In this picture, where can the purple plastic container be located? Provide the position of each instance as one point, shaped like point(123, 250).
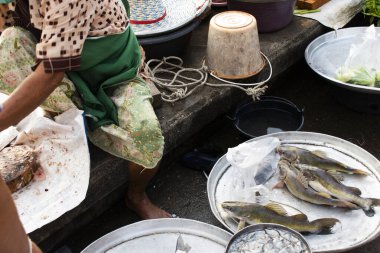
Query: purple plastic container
point(271, 15)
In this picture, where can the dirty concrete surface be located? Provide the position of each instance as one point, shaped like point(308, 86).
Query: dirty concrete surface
point(182, 191)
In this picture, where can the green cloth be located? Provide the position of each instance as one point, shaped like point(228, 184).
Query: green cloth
point(106, 63)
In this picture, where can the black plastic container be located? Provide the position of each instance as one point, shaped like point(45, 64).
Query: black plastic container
point(170, 44)
point(268, 115)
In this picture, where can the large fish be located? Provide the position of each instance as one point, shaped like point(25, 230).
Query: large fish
point(317, 159)
point(322, 181)
point(253, 213)
point(298, 187)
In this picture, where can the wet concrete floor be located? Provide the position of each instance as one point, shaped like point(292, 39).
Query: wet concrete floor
point(182, 191)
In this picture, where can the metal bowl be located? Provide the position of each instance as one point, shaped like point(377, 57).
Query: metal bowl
point(327, 53)
point(279, 232)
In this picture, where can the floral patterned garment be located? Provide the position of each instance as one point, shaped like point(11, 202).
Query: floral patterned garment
point(138, 138)
point(65, 26)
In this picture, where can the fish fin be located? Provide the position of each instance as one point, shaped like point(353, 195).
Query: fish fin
point(351, 171)
point(324, 194)
point(300, 217)
point(302, 179)
point(325, 224)
point(360, 172)
point(319, 153)
point(277, 208)
point(336, 175)
point(279, 185)
point(355, 190)
point(318, 187)
point(241, 225)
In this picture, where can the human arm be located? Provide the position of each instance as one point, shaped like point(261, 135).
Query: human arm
point(28, 96)
point(13, 238)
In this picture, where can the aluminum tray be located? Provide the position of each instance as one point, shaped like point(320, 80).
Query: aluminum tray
point(328, 52)
point(356, 228)
point(160, 236)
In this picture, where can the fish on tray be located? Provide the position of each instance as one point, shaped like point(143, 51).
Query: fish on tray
point(297, 185)
point(324, 182)
point(317, 159)
point(254, 213)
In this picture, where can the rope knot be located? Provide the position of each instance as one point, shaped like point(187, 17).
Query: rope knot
point(177, 94)
point(256, 92)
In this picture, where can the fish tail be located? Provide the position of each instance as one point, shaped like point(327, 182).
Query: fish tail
point(325, 224)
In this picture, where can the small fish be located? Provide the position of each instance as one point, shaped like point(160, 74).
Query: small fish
point(298, 187)
point(254, 213)
point(322, 181)
point(317, 159)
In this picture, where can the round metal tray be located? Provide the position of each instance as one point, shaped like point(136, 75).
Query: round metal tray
point(160, 236)
point(328, 52)
point(356, 228)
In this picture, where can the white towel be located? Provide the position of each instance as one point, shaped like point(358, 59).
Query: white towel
point(336, 13)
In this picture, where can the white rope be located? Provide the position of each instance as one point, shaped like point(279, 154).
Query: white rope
point(181, 86)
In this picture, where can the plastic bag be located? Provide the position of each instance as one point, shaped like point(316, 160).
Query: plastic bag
point(362, 65)
point(255, 161)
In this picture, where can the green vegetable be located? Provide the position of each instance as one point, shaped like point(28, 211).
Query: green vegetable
point(302, 12)
point(372, 8)
point(357, 76)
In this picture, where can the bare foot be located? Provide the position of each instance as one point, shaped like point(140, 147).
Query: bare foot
point(143, 207)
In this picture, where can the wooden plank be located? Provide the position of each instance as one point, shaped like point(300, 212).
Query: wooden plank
point(310, 4)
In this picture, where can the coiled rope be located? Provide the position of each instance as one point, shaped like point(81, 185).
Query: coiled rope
point(169, 74)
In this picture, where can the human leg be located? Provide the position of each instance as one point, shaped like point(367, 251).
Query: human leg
point(136, 198)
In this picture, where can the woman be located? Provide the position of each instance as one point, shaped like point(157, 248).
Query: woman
point(91, 42)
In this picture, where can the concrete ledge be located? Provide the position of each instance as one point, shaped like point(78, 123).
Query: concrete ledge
point(179, 122)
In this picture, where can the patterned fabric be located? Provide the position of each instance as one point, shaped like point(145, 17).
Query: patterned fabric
point(146, 10)
point(105, 67)
point(138, 137)
point(66, 24)
point(17, 55)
